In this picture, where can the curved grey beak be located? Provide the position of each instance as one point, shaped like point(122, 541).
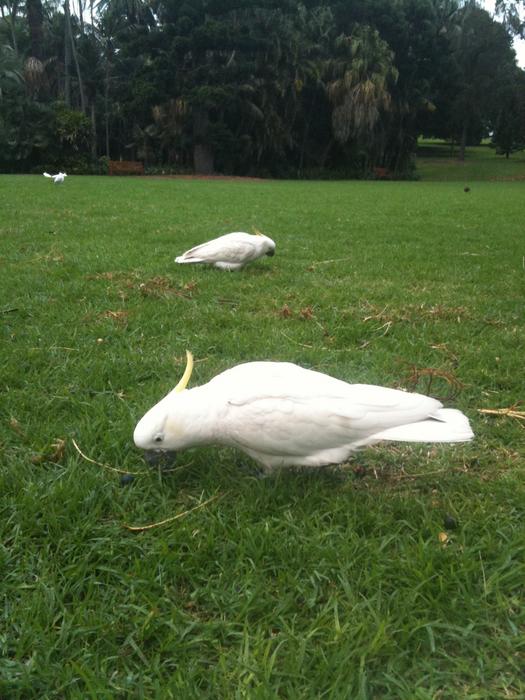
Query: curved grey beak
point(160, 458)
point(271, 253)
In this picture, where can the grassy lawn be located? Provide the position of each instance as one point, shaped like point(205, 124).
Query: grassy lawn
point(439, 162)
point(400, 575)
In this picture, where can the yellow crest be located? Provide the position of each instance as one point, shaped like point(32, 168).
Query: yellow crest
point(187, 373)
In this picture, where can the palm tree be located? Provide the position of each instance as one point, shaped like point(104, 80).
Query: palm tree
point(358, 83)
point(71, 51)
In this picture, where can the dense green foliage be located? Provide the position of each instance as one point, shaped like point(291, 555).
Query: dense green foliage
point(252, 86)
point(332, 584)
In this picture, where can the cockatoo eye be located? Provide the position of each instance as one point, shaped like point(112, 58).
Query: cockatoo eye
point(158, 438)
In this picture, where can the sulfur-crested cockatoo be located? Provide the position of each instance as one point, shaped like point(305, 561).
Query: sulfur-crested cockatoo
point(58, 179)
point(283, 415)
point(230, 252)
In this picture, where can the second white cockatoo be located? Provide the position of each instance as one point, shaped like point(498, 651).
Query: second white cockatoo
point(58, 179)
point(231, 251)
point(283, 415)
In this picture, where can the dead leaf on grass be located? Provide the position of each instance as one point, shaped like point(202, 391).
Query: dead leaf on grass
point(285, 312)
point(120, 316)
point(56, 455)
point(307, 313)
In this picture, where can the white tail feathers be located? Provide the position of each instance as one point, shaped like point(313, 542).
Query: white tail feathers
point(189, 259)
point(47, 175)
point(445, 425)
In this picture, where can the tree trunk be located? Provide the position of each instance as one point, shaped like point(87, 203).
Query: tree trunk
point(203, 159)
point(35, 21)
point(93, 132)
point(67, 61)
point(81, 16)
point(463, 141)
point(326, 153)
point(75, 57)
point(106, 106)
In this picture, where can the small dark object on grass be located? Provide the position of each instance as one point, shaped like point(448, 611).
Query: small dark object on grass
point(467, 189)
point(450, 523)
point(359, 471)
point(126, 479)
point(160, 459)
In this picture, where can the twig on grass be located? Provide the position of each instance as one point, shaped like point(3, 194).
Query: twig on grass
point(387, 326)
point(141, 528)
point(99, 464)
point(123, 471)
point(379, 315)
point(9, 310)
point(430, 373)
point(416, 476)
point(326, 262)
point(303, 345)
point(511, 412)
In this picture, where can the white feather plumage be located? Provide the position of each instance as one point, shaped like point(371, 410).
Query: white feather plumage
point(229, 252)
point(58, 179)
point(282, 415)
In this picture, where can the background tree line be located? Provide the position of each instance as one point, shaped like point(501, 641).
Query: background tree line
point(267, 87)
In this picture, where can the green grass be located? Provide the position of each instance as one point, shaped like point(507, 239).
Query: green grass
point(332, 584)
point(438, 161)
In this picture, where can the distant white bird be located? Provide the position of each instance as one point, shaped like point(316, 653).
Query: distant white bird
point(230, 252)
point(283, 415)
point(58, 179)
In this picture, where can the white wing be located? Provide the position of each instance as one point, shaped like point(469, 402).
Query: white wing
point(234, 248)
point(47, 175)
point(283, 410)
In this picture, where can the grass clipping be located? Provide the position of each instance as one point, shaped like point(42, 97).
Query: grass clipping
point(166, 521)
point(510, 412)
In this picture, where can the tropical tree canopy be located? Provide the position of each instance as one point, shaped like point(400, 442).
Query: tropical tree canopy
point(250, 87)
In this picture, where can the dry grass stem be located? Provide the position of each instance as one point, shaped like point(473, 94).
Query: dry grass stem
point(124, 471)
point(328, 262)
point(431, 373)
point(511, 412)
point(417, 476)
point(303, 345)
point(100, 464)
point(411, 313)
point(142, 528)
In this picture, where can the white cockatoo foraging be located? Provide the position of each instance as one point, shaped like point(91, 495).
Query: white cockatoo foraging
point(283, 415)
point(58, 179)
point(230, 252)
